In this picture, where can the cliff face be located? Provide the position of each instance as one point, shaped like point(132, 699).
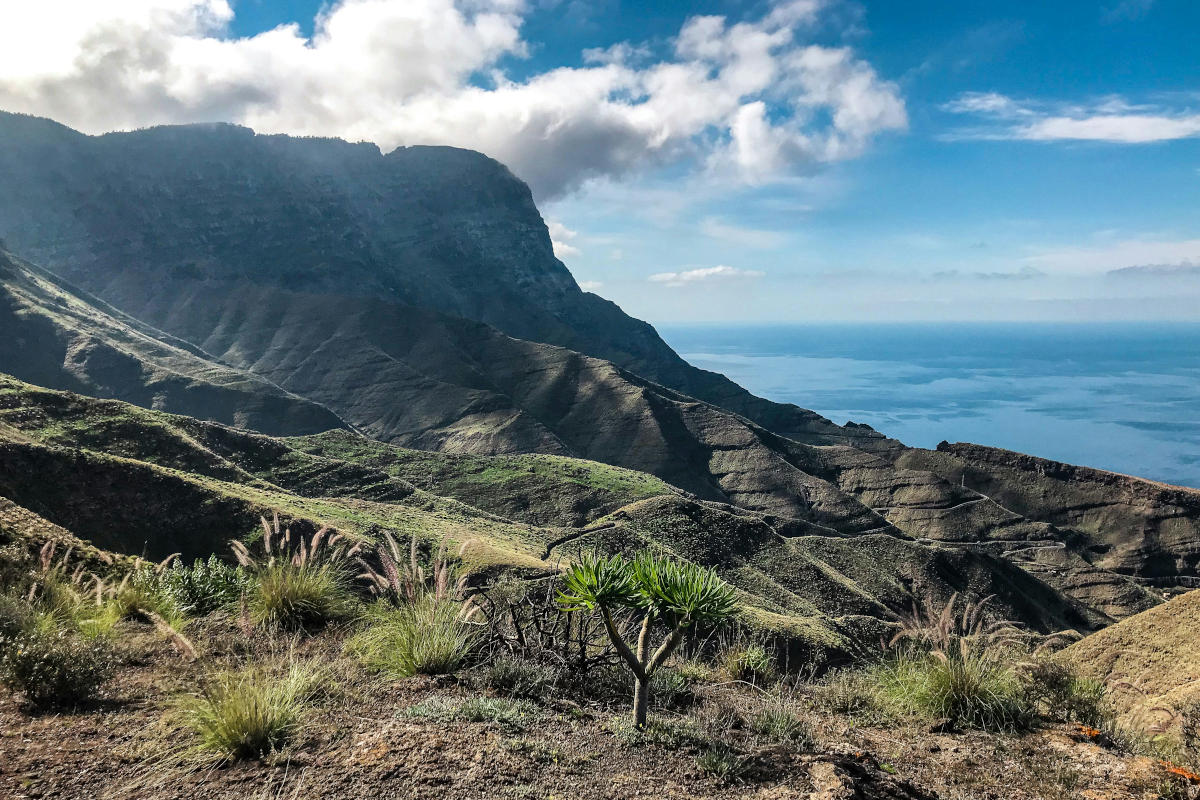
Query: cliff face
point(416, 295)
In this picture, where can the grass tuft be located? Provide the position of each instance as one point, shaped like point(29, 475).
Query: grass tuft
point(249, 712)
point(721, 762)
point(428, 636)
point(296, 597)
point(751, 663)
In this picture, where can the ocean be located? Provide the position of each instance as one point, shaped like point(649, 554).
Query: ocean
point(1121, 396)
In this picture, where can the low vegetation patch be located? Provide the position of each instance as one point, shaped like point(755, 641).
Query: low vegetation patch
point(511, 714)
point(519, 677)
point(56, 668)
point(780, 724)
point(250, 712)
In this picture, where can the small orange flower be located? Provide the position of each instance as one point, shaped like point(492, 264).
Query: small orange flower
point(1175, 769)
point(1091, 733)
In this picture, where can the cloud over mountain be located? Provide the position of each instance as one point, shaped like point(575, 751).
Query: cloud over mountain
point(751, 97)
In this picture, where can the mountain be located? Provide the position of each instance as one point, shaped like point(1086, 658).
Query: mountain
point(131, 480)
point(64, 338)
point(416, 296)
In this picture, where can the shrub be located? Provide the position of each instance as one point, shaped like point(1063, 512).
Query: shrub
point(1189, 728)
point(54, 668)
point(781, 725)
point(517, 676)
point(751, 663)
point(855, 694)
point(1061, 693)
point(677, 594)
point(16, 616)
point(249, 712)
point(16, 564)
point(427, 636)
point(205, 586)
point(720, 761)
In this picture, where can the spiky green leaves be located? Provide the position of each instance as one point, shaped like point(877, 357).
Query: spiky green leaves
point(594, 583)
point(685, 593)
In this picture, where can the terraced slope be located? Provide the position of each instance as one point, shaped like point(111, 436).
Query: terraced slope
point(136, 481)
point(1125, 524)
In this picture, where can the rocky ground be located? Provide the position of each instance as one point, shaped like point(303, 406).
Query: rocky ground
point(366, 736)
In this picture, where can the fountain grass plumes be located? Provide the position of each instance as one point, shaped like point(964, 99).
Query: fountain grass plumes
point(301, 582)
point(954, 664)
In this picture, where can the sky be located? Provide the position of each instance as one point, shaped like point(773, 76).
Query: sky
point(721, 160)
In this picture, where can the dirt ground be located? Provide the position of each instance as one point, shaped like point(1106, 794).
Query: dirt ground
point(358, 741)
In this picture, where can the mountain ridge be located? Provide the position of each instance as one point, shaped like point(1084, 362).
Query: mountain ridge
point(416, 295)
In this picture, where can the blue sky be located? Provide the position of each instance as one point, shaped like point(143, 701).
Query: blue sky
point(773, 161)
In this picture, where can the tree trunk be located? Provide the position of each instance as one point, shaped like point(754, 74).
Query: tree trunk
point(641, 699)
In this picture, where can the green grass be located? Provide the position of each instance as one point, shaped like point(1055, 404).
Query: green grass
point(453, 472)
point(249, 712)
point(970, 690)
point(428, 637)
point(296, 597)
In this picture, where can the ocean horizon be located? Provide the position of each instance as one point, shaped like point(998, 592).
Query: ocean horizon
point(1123, 397)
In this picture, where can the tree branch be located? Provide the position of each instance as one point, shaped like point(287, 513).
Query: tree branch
point(622, 648)
point(668, 646)
point(644, 639)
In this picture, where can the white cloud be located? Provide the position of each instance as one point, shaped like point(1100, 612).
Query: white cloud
point(560, 238)
point(1117, 255)
point(1111, 119)
point(591, 286)
point(750, 96)
point(704, 275)
point(1124, 129)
